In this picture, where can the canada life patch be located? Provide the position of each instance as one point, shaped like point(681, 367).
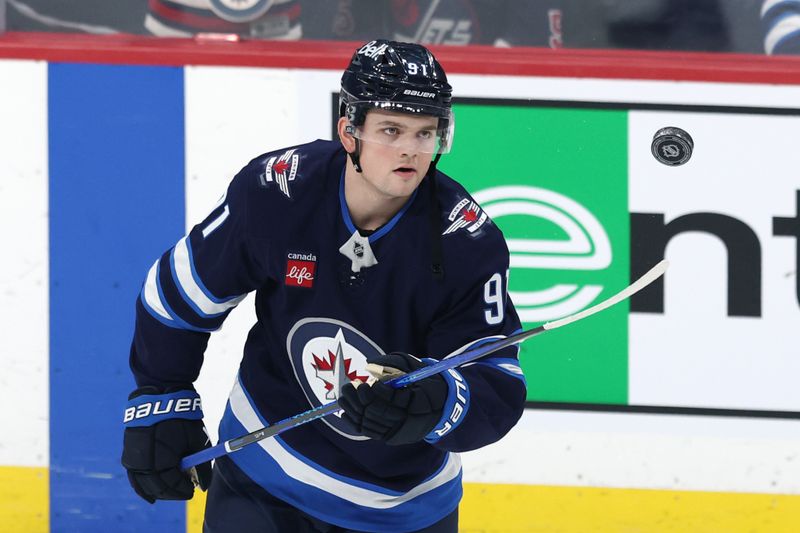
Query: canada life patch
point(300, 269)
point(466, 214)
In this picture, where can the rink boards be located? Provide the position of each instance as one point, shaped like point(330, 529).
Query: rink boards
point(105, 166)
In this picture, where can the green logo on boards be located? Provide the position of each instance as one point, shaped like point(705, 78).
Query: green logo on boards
point(585, 247)
point(555, 181)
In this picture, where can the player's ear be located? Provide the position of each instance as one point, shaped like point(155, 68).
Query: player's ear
point(347, 139)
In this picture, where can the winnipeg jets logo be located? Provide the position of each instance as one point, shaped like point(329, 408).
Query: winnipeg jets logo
point(281, 170)
point(326, 354)
point(466, 214)
point(335, 369)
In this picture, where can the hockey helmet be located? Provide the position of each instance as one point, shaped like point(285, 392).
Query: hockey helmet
point(397, 77)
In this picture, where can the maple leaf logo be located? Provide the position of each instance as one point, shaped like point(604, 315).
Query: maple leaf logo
point(280, 167)
point(280, 170)
point(327, 368)
point(466, 214)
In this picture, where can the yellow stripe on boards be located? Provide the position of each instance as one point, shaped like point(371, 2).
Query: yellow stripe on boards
point(194, 512)
point(24, 499)
point(492, 508)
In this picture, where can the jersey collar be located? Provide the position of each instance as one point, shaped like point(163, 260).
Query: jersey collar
point(386, 228)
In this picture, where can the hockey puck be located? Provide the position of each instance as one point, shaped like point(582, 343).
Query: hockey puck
point(672, 146)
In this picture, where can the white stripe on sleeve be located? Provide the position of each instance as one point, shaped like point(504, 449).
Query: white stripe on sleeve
point(151, 296)
point(198, 295)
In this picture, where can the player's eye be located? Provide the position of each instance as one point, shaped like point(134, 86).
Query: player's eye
point(425, 134)
point(391, 131)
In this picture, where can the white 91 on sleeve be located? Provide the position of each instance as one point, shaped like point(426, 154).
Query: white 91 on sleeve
point(493, 296)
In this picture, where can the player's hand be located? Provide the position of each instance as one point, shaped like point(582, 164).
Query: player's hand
point(396, 416)
point(154, 444)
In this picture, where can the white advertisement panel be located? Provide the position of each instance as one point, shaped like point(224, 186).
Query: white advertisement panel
point(727, 337)
point(24, 281)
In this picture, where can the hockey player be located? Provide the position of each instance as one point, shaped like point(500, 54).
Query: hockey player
point(359, 251)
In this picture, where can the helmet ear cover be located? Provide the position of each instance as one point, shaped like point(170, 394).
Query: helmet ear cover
point(354, 113)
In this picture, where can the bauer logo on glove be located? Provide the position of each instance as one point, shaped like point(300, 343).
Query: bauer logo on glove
point(456, 406)
point(149, 409)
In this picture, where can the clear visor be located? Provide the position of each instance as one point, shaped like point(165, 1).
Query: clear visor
point(415, 128)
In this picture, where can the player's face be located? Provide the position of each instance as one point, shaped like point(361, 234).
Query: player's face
point(396, 151)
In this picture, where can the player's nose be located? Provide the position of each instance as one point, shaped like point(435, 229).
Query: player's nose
point(408, 154)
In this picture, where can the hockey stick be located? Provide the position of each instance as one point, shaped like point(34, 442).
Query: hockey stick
point(233, 445)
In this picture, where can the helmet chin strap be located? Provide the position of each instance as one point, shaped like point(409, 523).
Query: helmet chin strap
point(355, 156)
point(434, 214)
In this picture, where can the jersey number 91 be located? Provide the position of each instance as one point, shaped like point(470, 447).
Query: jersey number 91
point(493, 294)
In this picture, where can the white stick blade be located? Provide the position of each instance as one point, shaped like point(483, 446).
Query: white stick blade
point(649, 277)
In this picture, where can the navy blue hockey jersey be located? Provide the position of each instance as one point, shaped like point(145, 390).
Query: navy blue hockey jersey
point(278, 231)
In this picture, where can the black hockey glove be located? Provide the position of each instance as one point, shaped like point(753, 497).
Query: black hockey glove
point(405, 415)
point(160, 429)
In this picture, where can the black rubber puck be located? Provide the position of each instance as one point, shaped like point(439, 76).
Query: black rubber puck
point(672, 146)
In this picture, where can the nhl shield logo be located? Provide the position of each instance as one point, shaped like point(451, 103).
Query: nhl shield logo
point(281, 170)
point(326, 354)
point(240, 10)
point(466, 214)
